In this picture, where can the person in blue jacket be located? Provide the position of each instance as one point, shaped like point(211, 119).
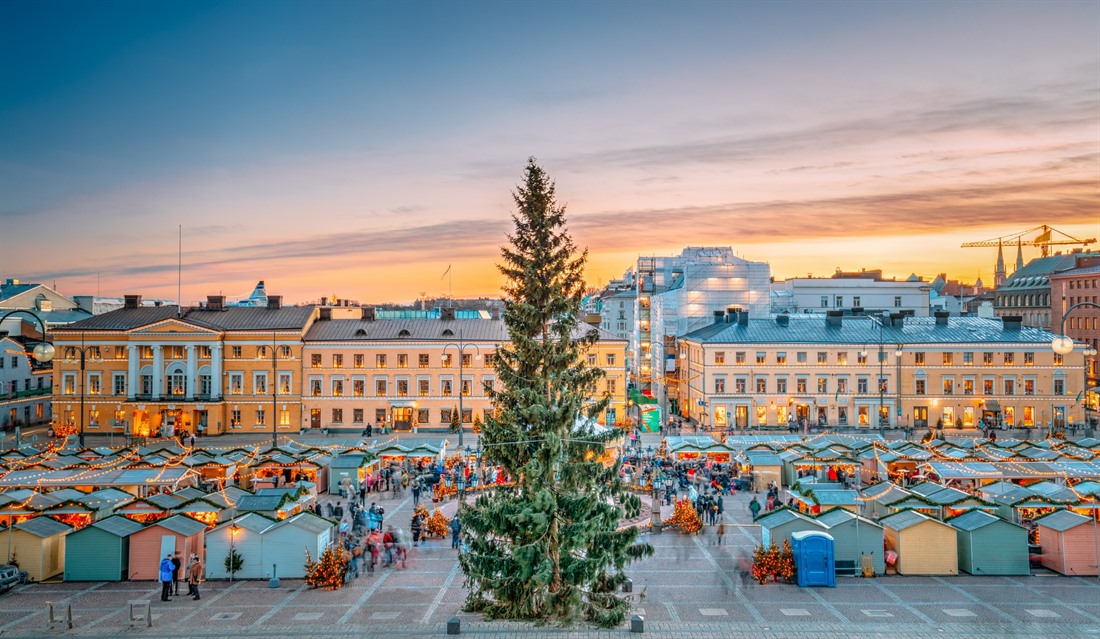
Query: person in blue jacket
point(167, 571)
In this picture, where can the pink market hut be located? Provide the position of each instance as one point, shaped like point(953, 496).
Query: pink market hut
point(1069, 543)
point(153, 542)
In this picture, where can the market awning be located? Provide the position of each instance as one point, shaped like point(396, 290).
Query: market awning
point(992, 406)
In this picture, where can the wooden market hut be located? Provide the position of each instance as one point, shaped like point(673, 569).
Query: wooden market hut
point(854, 537)
point(350, 466)
point(243, 535)
point(101, 550)
point(1069, 543)
point(924, 546)
point(765, 467)
point(150, 544)
point(38, 545)
point(778, 525)
point(814, 498)
point(989, 545)
point(285, 544)
point(202, 509)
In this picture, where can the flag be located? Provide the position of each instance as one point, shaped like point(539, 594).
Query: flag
point(445, 272)
point(1079, 396)
point(836, 397)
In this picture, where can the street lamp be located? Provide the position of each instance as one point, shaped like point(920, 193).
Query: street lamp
point(882, 420)
point(82, 382)
point(461, 348)
point(42, 352)
point(274, 393)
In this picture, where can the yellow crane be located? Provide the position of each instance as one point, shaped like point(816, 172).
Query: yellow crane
point(1044, 240)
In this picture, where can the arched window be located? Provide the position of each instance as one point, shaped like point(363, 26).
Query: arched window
point(404, 333)
point(448, 333)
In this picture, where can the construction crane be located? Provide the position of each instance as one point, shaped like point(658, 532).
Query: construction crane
point(1044, 240)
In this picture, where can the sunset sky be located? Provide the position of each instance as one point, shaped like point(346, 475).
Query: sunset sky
point(359, 148)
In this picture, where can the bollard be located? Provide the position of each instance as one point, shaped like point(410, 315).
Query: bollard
point(637, 623)
point(628, 585)
point(454, 626)
point(274, 582)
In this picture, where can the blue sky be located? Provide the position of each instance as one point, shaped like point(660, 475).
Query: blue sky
point(358, 148)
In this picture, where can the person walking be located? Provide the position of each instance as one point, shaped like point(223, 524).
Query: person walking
point(456, 530)
point(167, 569)
point(177, 563)
point(754, 507)
point(194, 576)
point(417, 526)
point(720, 531)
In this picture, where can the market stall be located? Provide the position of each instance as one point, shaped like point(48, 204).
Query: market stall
point(1069, 543)
point(989, 545)
point(924, 546)
point(150, 544)
point(854, 537)
point(100, 551)
point(39, 546)
point(778, 525)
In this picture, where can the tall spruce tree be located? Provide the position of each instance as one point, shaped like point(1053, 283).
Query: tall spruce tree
point(547, 548)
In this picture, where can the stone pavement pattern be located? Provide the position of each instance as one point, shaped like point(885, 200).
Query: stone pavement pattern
point(690, 588)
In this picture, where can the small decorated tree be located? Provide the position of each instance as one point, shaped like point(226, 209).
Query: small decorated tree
point(786, 568)
point(455, 417)
point(768, 561)
point(233, 562)
point(437, 524)
point(477, 423)
point(685, 518)
point(328, 572)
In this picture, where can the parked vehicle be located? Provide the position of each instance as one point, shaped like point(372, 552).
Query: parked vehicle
point(9, 577)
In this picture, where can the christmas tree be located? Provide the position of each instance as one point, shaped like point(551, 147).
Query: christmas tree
point(454, 419)
point(785, 566)
point(547, 548)
point(328, 572)
point(685, 518)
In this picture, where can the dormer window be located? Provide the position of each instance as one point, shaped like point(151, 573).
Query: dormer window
point(404, 333)
point(448, 333)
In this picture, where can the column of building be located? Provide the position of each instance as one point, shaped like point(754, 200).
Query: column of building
point(192, 377)
point(133, 373)
point(158, 372)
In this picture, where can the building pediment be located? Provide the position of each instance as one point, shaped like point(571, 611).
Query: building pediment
point(171, 326)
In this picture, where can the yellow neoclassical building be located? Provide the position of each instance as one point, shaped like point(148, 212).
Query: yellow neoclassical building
point(162, 370)
point(214, 369)
point(860, 371)
point(409, 370)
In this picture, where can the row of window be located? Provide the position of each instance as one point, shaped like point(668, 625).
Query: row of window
point(856, 301)
point(382, 360)
point(174, 352)
point(841, 359)
point(382, 387)
point(920, 386)
point(28, 384)
point(969, 415)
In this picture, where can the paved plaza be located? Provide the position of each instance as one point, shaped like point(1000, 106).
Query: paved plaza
point(691, 587)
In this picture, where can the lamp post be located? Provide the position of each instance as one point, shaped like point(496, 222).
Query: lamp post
point(461, 348)
point(42, 352)
point(881, 382)
point(1090, 353)
point(83, 381)
point(1063, 345)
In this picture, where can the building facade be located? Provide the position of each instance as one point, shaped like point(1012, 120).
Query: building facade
point(24, 387)
point(409, 373)
point(871, 293)
point(1071, 287)
point(676, 295)
point(161, 370)
point(1027, 293)
point(867, 372)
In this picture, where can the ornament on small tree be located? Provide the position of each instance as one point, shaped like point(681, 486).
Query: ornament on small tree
point(328, 571)
point(685, 518)
point(785, 563)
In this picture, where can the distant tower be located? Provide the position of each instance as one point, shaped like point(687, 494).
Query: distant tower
point(999, 274)
point(1019, 255)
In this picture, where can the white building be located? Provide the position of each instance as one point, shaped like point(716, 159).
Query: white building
point(676, 295)
point(617, 318)
point(24, 389)
point(872, 293)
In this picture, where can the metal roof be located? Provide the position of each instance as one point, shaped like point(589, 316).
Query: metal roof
point(838, 516)
point(43, 527)
point(262, 503)
point(420, 330)
point(974, 519)
point(118, 525)
point(237, 318)
point(906, 519)
point(858, 331)
point(1061, 520)
point(181, 524)
point(308, 521)
point(255, 522)
point(783, 516)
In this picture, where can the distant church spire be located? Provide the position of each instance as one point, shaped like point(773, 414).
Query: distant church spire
point(999, 274)
point(1019, 255)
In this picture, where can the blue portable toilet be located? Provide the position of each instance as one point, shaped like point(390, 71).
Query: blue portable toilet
point(815, 558)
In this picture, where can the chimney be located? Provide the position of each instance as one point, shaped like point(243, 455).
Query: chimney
point(1012, 322)
point(783, 319)
point(215, 302)
point(131, 301)
point(941, 317)
point(834, 318)
point(743, 318)
point(720, 316)
point(274, 302)
point(324, 301)
point(898, 319)
point(368, 314)
point(326, 314)
point(446, 314)
point(857, 310)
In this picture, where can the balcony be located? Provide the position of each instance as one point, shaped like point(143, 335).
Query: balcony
point(174, 399)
